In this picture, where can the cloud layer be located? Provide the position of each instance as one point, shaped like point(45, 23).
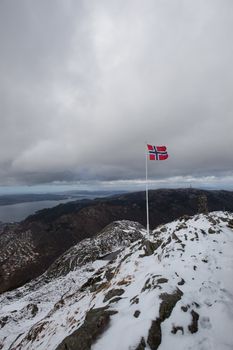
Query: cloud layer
point(84, 84)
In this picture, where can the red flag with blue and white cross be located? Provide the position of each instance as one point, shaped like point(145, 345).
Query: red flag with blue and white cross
point(157, 152)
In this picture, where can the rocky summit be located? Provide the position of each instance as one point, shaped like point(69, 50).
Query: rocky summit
point(125, 289)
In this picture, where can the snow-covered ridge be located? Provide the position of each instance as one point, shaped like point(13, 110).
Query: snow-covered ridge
point(115, 236)
point(170, 290)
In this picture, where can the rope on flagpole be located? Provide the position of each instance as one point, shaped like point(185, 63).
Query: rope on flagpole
point(147, 201)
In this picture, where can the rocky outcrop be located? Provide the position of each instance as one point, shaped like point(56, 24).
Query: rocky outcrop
point(168, 303)
point(95, 323)
point(105, 245)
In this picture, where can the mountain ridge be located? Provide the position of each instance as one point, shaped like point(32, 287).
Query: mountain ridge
point(27, 249)
point(169, 289)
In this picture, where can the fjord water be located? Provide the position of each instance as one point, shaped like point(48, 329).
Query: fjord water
point(19, 211)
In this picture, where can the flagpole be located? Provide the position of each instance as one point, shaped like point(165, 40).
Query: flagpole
point(147, 202)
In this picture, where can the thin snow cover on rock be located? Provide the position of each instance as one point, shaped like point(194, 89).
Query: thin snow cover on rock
point(110, 240)
point(170, 290)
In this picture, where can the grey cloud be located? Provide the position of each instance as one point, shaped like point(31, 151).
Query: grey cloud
point(85, 84)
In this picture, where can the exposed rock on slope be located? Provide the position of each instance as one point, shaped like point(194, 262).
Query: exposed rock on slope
point(106, 245)
point(170, 290)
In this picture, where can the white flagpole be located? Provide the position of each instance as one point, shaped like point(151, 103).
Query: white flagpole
point(147, 202)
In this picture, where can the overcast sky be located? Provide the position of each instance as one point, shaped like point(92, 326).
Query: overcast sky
point(84, 84)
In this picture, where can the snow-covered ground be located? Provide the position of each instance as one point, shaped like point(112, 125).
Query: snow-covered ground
point(172, 290)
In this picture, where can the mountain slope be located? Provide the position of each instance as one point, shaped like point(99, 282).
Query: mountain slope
point(170, 290)
point(39, 240)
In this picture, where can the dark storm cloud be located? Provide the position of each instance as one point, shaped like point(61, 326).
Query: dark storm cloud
point(84, 84)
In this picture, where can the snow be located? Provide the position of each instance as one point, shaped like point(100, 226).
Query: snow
point(192, 258)
point(203, 286)
point(45, 298)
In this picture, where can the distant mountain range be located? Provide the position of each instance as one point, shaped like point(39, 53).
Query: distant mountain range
point(28, 248)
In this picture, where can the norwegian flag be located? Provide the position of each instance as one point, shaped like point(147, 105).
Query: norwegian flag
point(157, 152)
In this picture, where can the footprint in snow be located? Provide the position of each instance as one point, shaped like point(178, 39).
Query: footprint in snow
point(205, 322)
